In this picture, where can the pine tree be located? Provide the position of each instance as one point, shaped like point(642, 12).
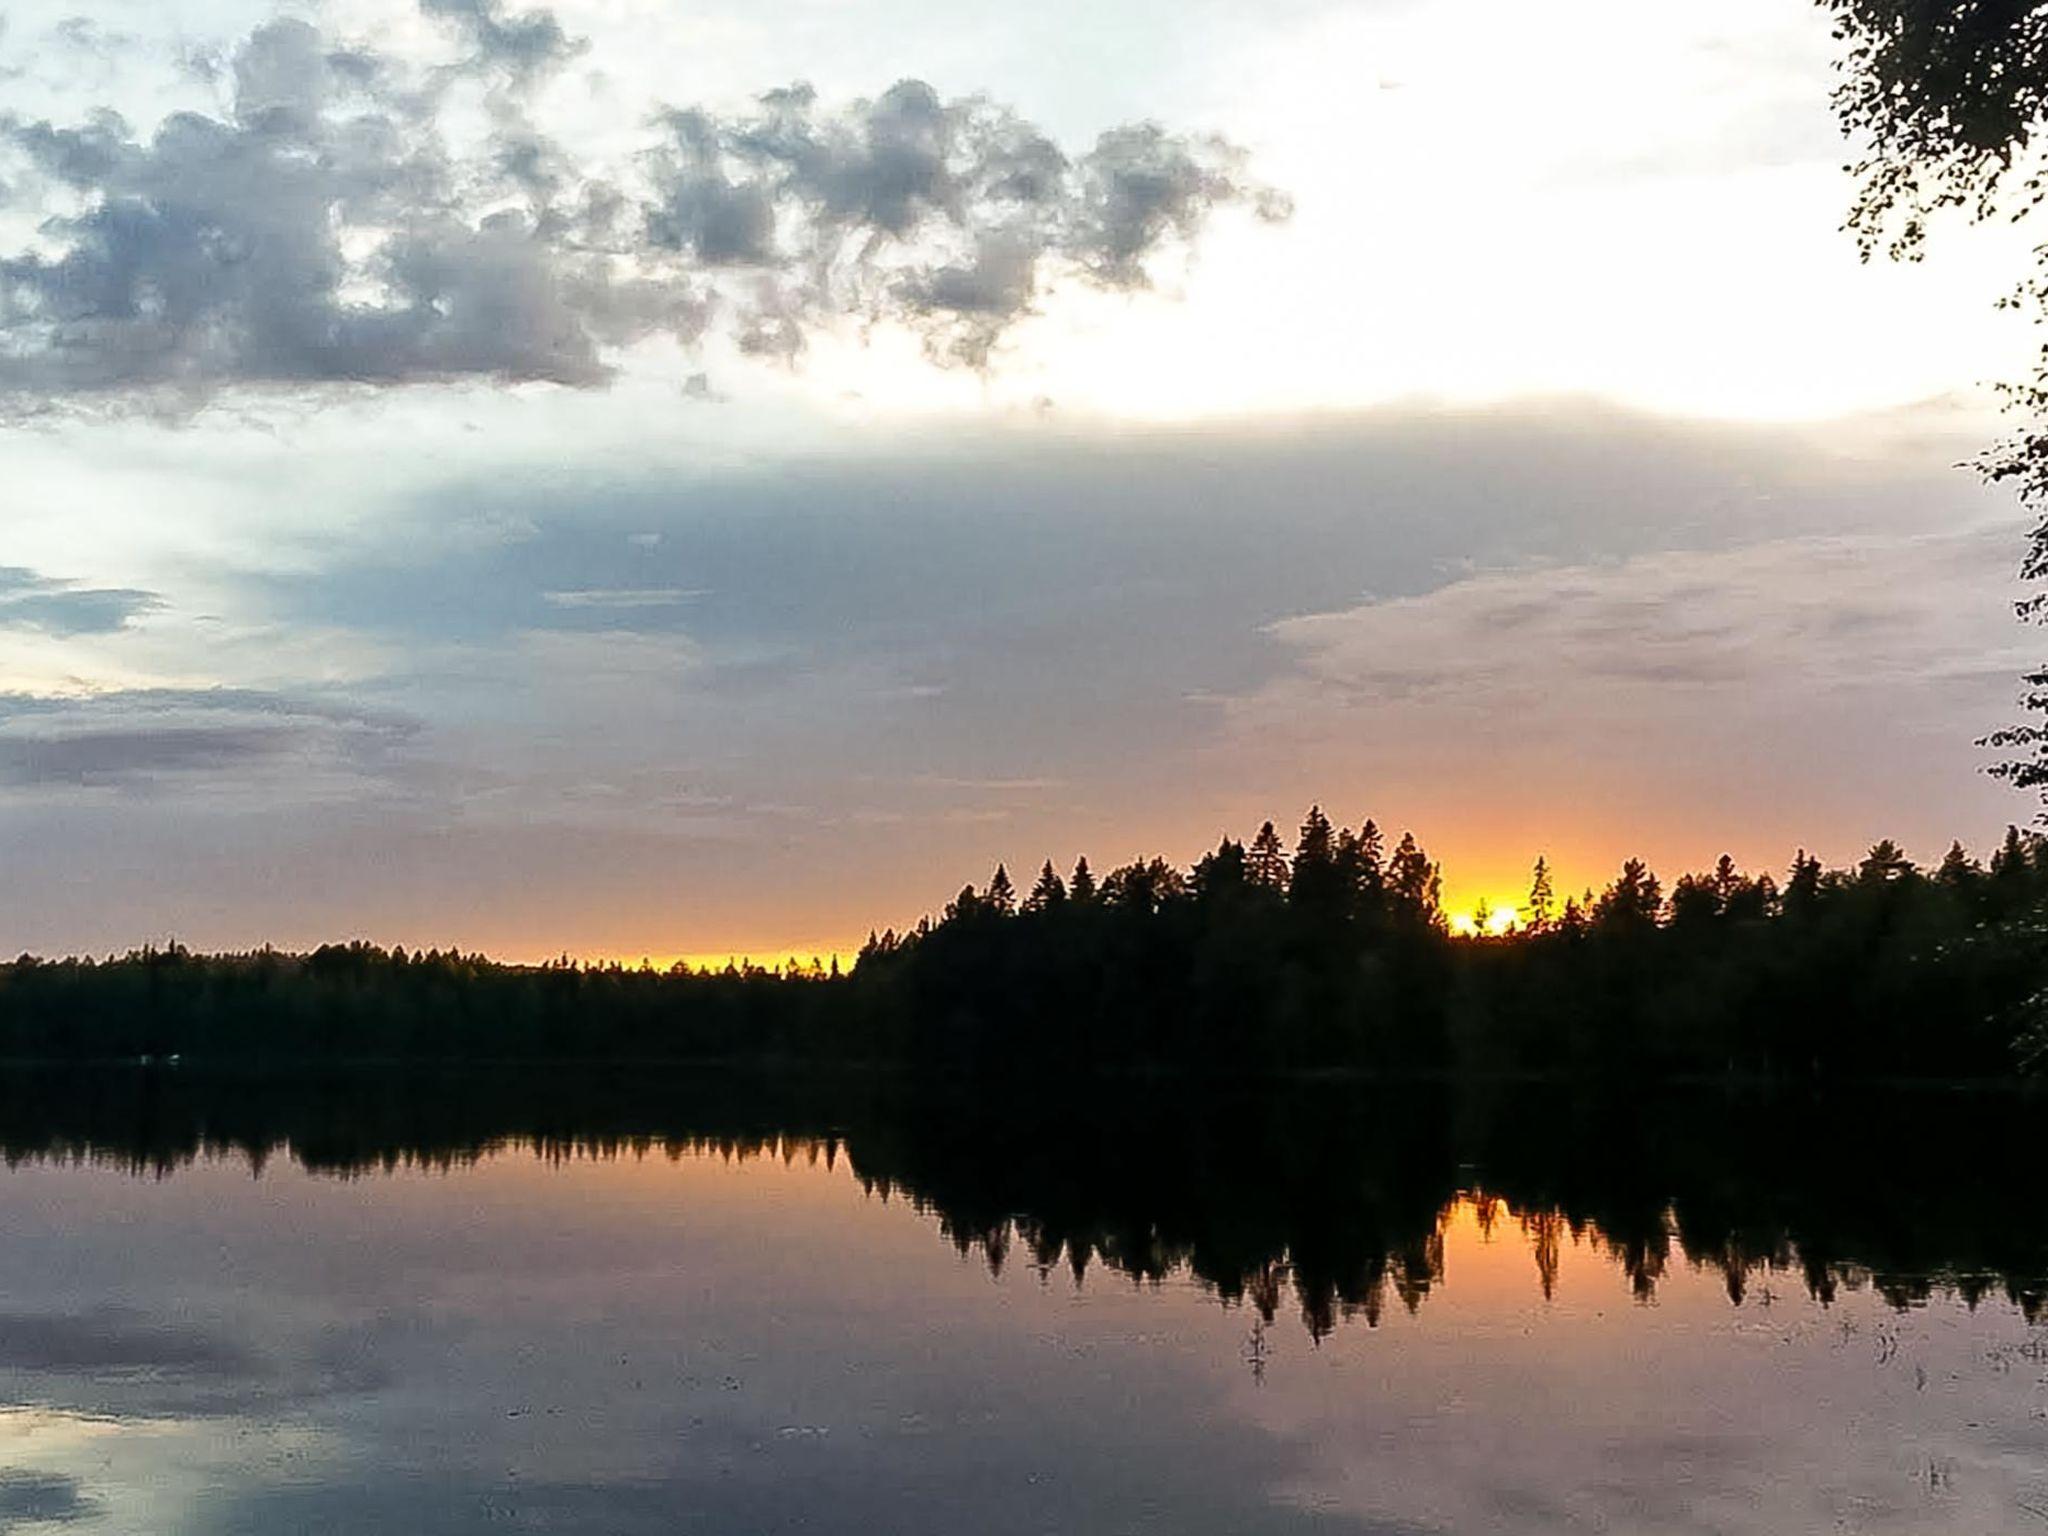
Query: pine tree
point(1001, 896)
point(1694, 900)
point(2009, 864)
point(1633, 900)
point(1542, 899)
point(1313, 880)
point(1372, 854)
point(1802, 885)
point(1144, 886)
point(1727, 881)
point(1757, 899)
point(1081, 888)
point(1361, 873)
point(1885, 862)
point(1416, 883)
point(1958, 870)
point(1222, 871)
point(1048, 893)
point(1266, 862)
point(1317, 841)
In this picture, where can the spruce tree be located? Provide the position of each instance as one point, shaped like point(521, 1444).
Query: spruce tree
point(1222, 871)
point(1266, 861)
point(1802, 885)
point(1081, 888)
point(1542, 899)
point(1885, 862)
point(1958, 870)
point(1416, 883)
point(1372, 853)
point(1049, 892)
point(1633, 900)
point(1312, 881)
point(1727, 881)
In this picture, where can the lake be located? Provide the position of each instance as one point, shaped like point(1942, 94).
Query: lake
point(624, 1304)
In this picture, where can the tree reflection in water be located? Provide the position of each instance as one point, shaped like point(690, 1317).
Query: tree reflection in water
point(1329, 1200)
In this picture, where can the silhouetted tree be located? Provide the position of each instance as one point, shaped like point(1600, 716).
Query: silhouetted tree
point(1266, 862)
point(1369, 859)
point(1081, 888)
point(1049, 893)
point(1958, 871)
point(1951, 97)
point(1222, 873)
point(1632, 900)
point(1802, 885)
point(1727, 882)
point(1542, 903)
point(1315, 883)
point(1144, 886)
point(1415, 883)
point(1694, 901)
point(1885, 862)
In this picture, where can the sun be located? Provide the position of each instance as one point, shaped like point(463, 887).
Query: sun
point(1484, 918)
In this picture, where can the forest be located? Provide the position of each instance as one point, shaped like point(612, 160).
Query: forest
point(1327, 954)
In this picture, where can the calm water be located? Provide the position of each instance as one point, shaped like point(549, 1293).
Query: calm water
point(602, 1308)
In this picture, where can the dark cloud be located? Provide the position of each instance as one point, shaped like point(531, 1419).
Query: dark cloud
point(96, 757)
point(947, 596)
point(139, 736)
point(1142, 185)
point(32, 601)
point(112, 1341)
point(525, 44)
point(217, 252)
point(324, 231)
point(42, 1498)
point(946, 215)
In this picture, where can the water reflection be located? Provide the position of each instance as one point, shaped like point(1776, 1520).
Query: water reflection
point(604, 1305)
point(1335, 1198)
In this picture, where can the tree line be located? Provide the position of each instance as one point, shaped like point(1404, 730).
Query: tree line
point(1337, 953)
point(1327, 952)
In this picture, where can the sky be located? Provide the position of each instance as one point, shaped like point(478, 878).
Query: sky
point(635, 480)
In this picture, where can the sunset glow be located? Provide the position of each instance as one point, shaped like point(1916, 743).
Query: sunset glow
point(1090, 766)
point(534, 640)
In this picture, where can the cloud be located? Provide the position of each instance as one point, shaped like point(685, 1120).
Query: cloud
point(1542, 627)
point(1822, 690)
point(525, 44)
point(1667, 631)
point(32, 601)
point(138, 737)
point(331, 227)
point(945, 215)
point(112, 1341)
point(622, 597)
point(1047, 602)
point(42, 1498)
